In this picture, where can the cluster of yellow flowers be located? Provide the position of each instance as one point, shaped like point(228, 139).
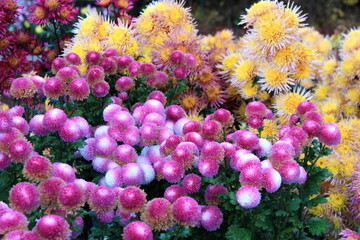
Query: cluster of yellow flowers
point(337, 95)
point(95, 33)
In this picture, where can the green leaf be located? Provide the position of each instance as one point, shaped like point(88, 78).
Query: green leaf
point(294, 205)
point(236, 233)
point(318, 226)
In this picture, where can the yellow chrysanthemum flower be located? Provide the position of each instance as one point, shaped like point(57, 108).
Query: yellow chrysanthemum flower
point(286, 58)
point(244, 72)
point(228, 62)
point(259, 9)
point(122, 38)
point(321, 92)
point(336, 201)
point(274, 80)
point(249, 90)
point(272, 32)
point(286, 103)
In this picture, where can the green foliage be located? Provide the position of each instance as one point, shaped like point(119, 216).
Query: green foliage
point(236, 233)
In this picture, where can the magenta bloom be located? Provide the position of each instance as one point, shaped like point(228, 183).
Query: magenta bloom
point(79, 89)
point(132, 199)
point(330, 134)
point(248, 196)
point(53, 227)
point(12, 220)
point(137, 230)
point(24, 197)
point(174, 192)
point(54, 119)
point(211, 218)
point(37, 168)
point(158, 214)
point(191, 183)
point(186, 211)
point(102, 199)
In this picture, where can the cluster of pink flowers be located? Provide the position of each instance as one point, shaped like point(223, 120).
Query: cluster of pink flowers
point(48, 10)
point(171, 145)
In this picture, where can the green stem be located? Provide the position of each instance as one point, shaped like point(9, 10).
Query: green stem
point(56, 35)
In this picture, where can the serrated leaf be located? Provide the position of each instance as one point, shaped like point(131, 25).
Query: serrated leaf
point(294, 205)
point(318, 226)
point(281, 213)
point(236, 233)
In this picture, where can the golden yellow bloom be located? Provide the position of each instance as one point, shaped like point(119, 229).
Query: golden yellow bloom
point(244, 72)
point(286, 103)
point(259, 9)
point(249, 90)
point(321, 92)
point(275, 80)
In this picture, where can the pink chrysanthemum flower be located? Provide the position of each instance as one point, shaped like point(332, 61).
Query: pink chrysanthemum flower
point(49, 191)
point(22, 88)
point(132, 199)
point(24, 197)
point(20, 150)
point(37, 168)
point(53, 227)
point(158, 214)
point(124, 154)
point(248, 196)
point(79, 89)
point(133, 174)
point(186, 211)
point(102, 199)
point(191, 183)
point(173, 192)
point(71, 197)
point(12, 220)
point(211, 218)
point(63, 171)
point(137, 230)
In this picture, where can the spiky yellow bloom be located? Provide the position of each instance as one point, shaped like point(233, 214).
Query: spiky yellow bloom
point(244, 72)
point(275, 80)
point(286, 103)
point(286, 58)
point(292, 16)
point(351, 41)
point(270, 129)
point(349, 67)
point(122, 38)
point(259, 9)
point(330, 106)
point(195, 117)
point(272, 33)
point(336, 201)
point(161, 17)
point(350, 110)
point(353, 95)
point(303, 72)
point(88, 26)
point(317, 210)
point(329, 67)
point(321, 92)
point(228, 62)
point(329, 118)
point(249, 90)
